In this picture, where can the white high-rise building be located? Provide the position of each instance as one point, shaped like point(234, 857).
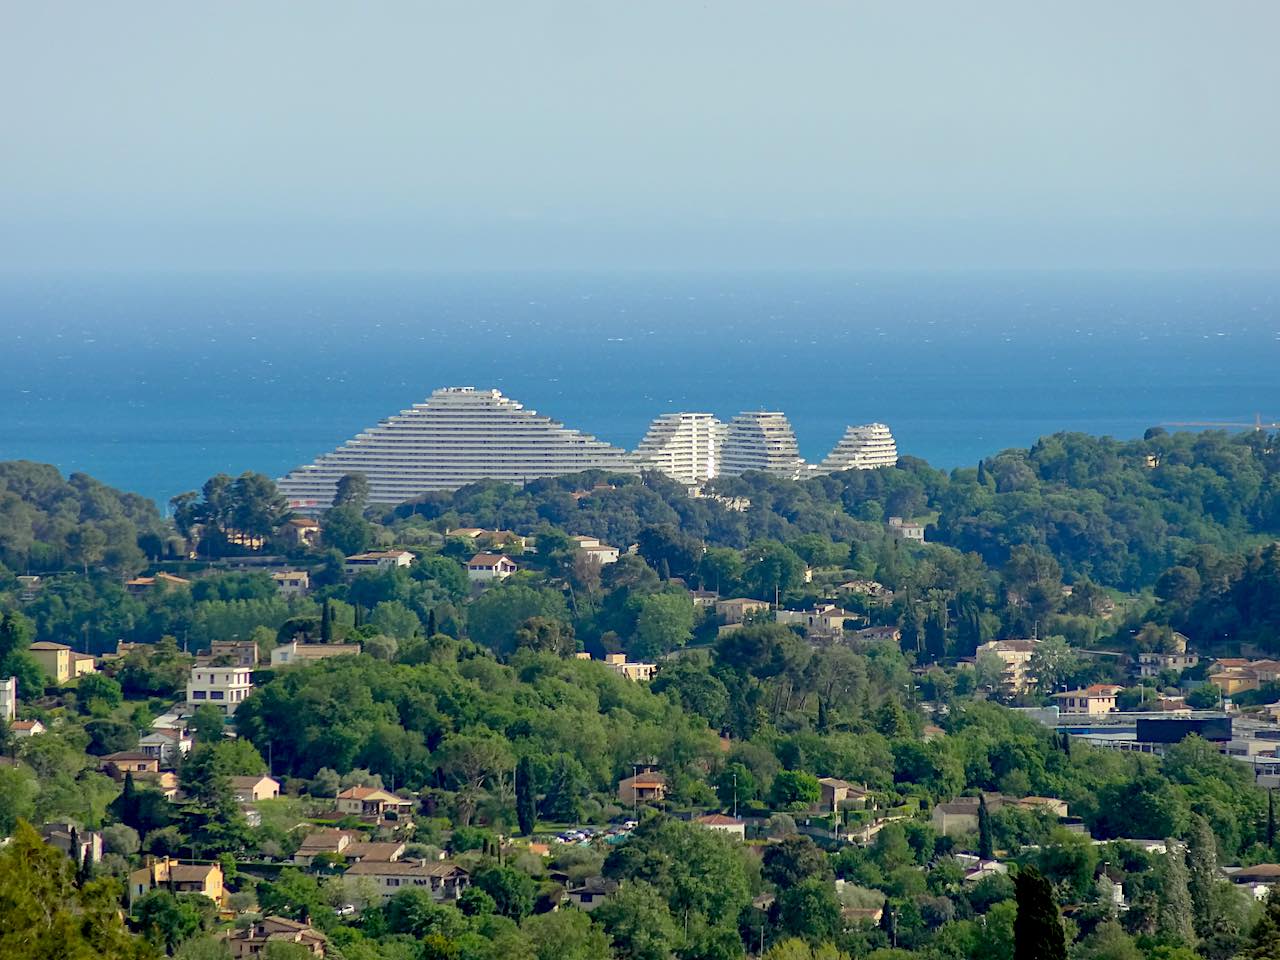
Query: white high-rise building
point(8, 699)
point(460, 435)
point(761, 440)
point(862, 448)
point(684, 446)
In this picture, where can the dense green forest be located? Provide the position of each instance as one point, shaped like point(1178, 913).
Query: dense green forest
point(474, 706)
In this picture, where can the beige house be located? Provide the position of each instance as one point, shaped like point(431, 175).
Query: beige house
point(324, 841)
point(8, 699)
point(253, 789)
point(719, 822)
point(619, 664)
point(1153, 664)
point(648, 787)
point(445, 880)
point(837, 794)
point(377, 560)
point(301, 532)
point(1016, 655)
point(292, 583)
point(235, 653)
point(252, 940)
point(140, 585)
point(960, 815)
point(826, 620)
point(906, 529)
point(739, 609)
point(205, 879)
point(370, 801)
point(60, 661)
point(1093, 700)
point(116, 765)
point(591, 893)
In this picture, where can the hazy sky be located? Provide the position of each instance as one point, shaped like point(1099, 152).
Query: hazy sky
point(647, 133)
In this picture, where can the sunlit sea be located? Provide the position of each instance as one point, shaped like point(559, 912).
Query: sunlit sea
point(153, 383)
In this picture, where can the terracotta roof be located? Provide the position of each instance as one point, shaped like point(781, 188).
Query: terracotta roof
point(48, 645)
point(191, 872)
point(719, 820)
point(1259, 871)
point(373, 852)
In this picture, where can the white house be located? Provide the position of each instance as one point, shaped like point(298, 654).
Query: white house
point(252, 789)
point(377, 560)
point(168, 745)
point(224, 687)
point(487, 567)
point(292, 583)
point(445, 880)
point(718, 821)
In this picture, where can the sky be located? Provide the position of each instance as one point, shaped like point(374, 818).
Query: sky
point(668, 135)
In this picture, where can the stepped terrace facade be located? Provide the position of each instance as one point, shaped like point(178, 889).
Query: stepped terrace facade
point(459, 436)
point(867, 447)
point(684, 446)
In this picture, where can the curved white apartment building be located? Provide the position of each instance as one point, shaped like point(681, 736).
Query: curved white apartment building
point(761, 440)
point(684, 446)
point(460, 435)
point(861, 448)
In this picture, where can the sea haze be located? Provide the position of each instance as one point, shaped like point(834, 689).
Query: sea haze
point(155, 383)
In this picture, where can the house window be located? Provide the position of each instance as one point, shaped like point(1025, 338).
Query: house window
point(197, 695)
point(217, 695)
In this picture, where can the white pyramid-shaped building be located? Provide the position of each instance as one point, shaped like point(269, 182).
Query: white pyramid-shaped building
point(460, 435)
point(761, 440)
point(865, 447)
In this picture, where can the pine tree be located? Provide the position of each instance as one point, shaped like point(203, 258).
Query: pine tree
point(986, 846)
point(526, 799)
point(1175, 919)
point(326, 623)
point(1037, 929)
point(1202, 866)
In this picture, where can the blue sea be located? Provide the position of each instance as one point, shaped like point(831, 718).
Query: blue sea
point(154, 383)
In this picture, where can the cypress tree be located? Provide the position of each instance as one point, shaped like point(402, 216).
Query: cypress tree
point(326, 623)
point(431, 622)
point(1271, 817)
point(1202, 867)
point(526, 801)
point(1175, 918)
point(664, 570)
point(1037, 929)
point(986, 847)
point(982, 473)
point(822, 715)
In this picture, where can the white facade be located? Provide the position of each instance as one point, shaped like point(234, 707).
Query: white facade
point(224, 687)
point(9, 699)
point(377, 560)
point(761, 440)
point(459, 436)
point(684, 446)
point(292, 583)
point(862, 448)
point(485, 567)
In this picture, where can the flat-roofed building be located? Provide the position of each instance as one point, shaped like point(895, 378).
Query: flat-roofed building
point(295, 652)
point(8, 699)
point(683, 446)
point(761, 440)
point(377, 560)
point(224, 687)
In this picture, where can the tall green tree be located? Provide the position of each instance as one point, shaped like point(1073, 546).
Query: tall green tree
point(986, 846)
point(1037, 931)
point(1176, 920)
point(526, 796)
point(1202, 868)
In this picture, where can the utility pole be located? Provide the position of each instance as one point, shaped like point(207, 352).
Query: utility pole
point(735, 794)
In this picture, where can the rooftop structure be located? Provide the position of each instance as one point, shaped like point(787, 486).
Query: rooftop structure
point(862, 448)
point(9, 699)
point(761, 440)
point(459, 436)
point(684, 446)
